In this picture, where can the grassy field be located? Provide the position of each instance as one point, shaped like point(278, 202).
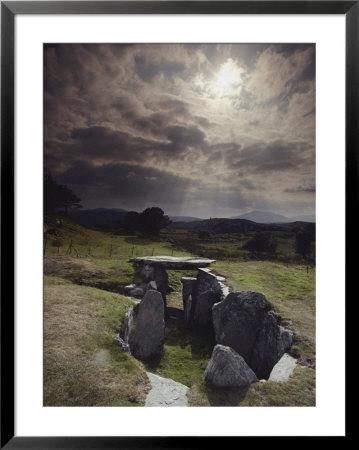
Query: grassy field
point(82, 366)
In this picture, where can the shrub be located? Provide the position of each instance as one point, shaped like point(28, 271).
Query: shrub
point(261, 242)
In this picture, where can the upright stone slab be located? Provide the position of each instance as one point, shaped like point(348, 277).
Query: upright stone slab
point(161, 280)
point(238, 319)
point(146, 336)
point(202, 312)
point(265, 352)
point(200, 294)
point(227, 368)
point(208, 281)
point(243, 322)
point(188, 290)
point(144, 327)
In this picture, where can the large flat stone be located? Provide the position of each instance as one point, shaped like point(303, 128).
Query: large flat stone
point(166, 392)
point(173, 262)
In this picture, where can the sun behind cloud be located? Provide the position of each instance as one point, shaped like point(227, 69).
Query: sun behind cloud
point(228, 80)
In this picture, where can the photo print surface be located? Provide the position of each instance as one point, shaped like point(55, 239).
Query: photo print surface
point(179, 225)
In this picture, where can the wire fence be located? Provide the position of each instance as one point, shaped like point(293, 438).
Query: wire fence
point(104, 251)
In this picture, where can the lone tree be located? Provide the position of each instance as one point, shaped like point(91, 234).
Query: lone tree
point(151, 220)
point(58, 196)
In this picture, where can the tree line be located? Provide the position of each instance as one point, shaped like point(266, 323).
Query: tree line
point(58, 197)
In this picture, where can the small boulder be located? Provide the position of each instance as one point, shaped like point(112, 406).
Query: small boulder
point(227, 368)
point(151, 285)
point(129, 287)
point(283, 369)
point(136, 292)
point(122, 344)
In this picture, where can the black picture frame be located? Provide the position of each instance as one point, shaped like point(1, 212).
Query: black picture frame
point(9, 9)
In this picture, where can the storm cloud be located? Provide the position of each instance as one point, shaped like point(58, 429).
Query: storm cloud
point(197, 129)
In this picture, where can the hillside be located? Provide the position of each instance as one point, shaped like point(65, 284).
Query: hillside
point(97, 217)
point(84, 304)
point(269, 217)
point(223, 225)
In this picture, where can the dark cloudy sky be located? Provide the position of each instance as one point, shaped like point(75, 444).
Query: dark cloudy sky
point(205, 130)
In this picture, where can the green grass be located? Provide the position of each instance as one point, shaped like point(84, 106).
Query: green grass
point(185, 357)
point(290, 290)
point(110, 253)
point(83, 367)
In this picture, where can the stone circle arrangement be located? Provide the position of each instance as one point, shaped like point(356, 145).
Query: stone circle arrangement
point(251, 344)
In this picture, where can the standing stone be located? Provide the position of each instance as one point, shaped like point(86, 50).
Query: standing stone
point(243, 322)
point(265, 350)
point(144, 327)
point(161, 279)
point(188, 290)
point(202, 314)
point(188, 310)
point(227, 368)
point(148, 271)
point(238, 319)
point(207, 280)
point(205, 290)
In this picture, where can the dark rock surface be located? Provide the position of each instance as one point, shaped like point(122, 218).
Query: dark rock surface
point(227, 368)
point(243, 321)
point(143, 328)
point(238, 319)
point(188, 290)
point(202, 313)
point(199, 294)
point(137, 292)
point(158, 279)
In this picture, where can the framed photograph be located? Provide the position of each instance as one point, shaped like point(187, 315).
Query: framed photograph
point(175, 185)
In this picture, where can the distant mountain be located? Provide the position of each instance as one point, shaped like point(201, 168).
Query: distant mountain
point(269, 217)
point(224, 226)
point(184, 219)
point(264, 217)
point(218, 225)
point(307, 218)
point(97, 217)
